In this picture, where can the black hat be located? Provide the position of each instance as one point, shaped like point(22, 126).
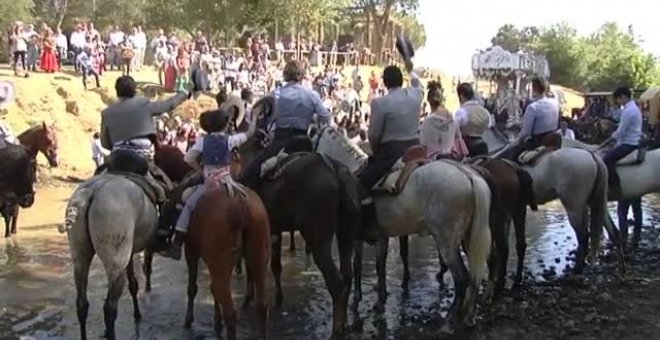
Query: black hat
point(405, 48)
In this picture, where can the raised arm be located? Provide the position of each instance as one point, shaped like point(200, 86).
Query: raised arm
point(159, 107)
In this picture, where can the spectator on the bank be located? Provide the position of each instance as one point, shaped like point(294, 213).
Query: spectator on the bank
point(61, 45)
point(88, 66)
point(115, 50)
point(77, 43)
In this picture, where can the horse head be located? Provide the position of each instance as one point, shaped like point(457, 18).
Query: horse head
point(42, 138)
point(332, 142)
point(17, 176)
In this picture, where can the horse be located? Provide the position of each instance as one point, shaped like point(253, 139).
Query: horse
point(222, 225)
point(637, 179)
point(318, 197)
point(17, 177)
point(39, 138)
point(459, 215)
point(112, 215)
point(170, 159)
point(583, 193)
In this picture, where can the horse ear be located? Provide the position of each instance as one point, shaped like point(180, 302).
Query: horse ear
point(43, 124)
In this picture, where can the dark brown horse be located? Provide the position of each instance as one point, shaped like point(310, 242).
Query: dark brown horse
point(318, 197)
point(170, 159)
point(17, 177)
point(39, 138)
point(221, 229)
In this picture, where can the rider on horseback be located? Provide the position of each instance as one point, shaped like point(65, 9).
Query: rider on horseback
point(627, 137)
point(127, 128)
point(392, 130)
point(541, 119)
point(295, 106)
point(215, 150)
point(6, 97)
point(473, 119)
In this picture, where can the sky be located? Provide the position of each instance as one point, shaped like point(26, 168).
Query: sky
point(448, 50)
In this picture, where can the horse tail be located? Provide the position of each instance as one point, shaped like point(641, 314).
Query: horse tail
point(598, 205)
point(526, 188)
point(480, 236)
point(78, 207)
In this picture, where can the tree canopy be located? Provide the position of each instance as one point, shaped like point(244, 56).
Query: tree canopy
point(227, 20)
point(608, 58)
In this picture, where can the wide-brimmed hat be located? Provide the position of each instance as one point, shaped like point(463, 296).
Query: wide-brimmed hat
point(235, 105)
point(405, 48)
point(7, 94)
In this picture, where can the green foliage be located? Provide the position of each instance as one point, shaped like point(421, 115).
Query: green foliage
point(608, 58)
point(12, 10)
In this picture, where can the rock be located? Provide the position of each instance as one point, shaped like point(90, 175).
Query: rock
point(590, 317)
point(62, 93)
point(72, 107)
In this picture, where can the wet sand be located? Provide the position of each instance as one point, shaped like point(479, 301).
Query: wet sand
point(37, 296)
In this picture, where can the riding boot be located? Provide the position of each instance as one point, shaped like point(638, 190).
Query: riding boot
point(614, 192)
point(174, 250)
point(370, 231)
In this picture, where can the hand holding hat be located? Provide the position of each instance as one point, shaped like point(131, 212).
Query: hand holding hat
point(406, 50)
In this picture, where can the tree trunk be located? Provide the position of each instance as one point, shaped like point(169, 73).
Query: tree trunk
point(61, 12)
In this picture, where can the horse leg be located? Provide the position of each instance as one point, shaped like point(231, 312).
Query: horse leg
point(451, 255)
point(147, 268)
point(292, 242)
point(276, 268)
point(440, 276)
point(81, 263)
point(249, 279)
point(637, 216)
point(521, 244)
point(322, 253)
point(217, 317)
point(403, 253)
point(222, 295)
point(577, 218)
point(381, 262)
point(500, 253)
point(6, 216)
point(133, 289)
point(14, 220)
point(345, 246)
point(192, 261)
point(116, 282)
point(357, 273)
point(257, 268)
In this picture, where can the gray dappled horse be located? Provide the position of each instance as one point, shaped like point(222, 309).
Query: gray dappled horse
point(112, 216)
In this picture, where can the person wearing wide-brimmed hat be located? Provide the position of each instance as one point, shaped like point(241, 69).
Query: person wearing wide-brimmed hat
point(7, 94)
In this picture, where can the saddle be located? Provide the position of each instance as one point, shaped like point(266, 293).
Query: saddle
point(138, 170)
point(548, 143)
point(533, 157)
point(297, 147)
point(395, 181)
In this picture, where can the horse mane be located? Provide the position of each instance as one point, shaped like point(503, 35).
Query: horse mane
point(334, 143)
point(30, 130)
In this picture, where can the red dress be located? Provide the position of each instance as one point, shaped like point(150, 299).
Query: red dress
point(48, 61)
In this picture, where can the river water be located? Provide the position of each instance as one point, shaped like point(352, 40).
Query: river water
point(37, 295)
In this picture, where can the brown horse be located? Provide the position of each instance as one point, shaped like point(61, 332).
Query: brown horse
point(220, 227)
point(170, 159)
point(39, 138)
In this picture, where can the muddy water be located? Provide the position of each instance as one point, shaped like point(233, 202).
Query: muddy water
point(37, 297)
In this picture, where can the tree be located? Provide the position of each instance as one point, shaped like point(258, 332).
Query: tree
point(608, 58)
point(381, 12)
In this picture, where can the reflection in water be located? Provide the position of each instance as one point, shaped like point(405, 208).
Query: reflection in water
point(38, 297)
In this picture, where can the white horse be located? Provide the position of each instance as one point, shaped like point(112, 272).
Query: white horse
point(637, 180)
point(578, 178)
point(112, 217)
point(443, 199)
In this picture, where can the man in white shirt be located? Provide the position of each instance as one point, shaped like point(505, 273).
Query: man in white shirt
point(78, 41)
point(564, 131)
point(473, 120)
point(116, 38)
point(61, 45)
point(7, 94)
point(140, 45)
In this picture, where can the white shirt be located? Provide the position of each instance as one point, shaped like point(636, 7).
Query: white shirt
point(78, 39)
point(568, 135)
point(98, 152)
point(6, 135)
point(461, 117)
point(351, 96)
point(61, 41)
point(116, 38)
point(140, 41)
